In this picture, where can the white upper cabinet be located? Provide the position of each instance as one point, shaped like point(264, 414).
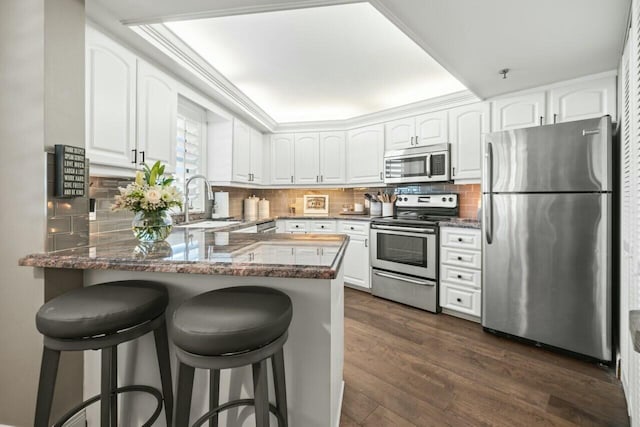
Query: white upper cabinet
point(247, 153)
point(110, 98)
point(467, 125)
point(332, 158)
point(307, 158)
point(241, 151)
point(518, 112)
point(431, 128)
point(157, 116)
point(584, 100)
point(400, 134)
point(426, 129)
point(282, 159)
point(365, 150)
point(257, 151)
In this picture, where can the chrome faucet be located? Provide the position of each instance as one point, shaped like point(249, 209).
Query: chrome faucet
point(186, 194)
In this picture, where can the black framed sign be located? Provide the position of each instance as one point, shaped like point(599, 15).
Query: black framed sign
point(70, 171)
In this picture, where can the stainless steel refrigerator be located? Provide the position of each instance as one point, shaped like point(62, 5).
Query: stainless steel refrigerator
point(547, 208)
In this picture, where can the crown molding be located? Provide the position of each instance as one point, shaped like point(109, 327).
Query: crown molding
point(428, 105)
point(239, 10)
point(161, 37)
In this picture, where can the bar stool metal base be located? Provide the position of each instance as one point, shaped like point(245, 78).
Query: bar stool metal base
point(109, 389)
point(258, 360)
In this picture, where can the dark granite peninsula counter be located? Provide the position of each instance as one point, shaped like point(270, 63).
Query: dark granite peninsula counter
point(307, 267)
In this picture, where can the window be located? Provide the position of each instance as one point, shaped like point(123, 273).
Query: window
point(190, 151)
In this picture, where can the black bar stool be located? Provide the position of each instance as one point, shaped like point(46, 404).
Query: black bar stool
point(101, 317)
point(229, 328)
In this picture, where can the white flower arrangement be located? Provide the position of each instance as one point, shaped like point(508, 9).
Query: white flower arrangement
point(151, 192)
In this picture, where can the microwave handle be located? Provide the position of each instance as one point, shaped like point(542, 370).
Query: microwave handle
point(429, 165)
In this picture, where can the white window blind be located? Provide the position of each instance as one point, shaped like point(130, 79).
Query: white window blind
point(190, 151)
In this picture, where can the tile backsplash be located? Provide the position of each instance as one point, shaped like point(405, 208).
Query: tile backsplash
point(103, 190)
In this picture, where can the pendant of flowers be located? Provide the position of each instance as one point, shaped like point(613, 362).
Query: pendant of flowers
point(150, 197)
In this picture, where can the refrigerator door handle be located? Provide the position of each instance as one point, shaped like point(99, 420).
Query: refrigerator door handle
point(489, 208)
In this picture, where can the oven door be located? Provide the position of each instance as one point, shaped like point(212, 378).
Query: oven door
point(405, 250)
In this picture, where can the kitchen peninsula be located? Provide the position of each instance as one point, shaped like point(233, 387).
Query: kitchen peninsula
point(191, 261)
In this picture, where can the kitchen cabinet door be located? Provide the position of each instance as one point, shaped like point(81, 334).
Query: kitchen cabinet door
point(157, 116)
point(518, 112)
point(282, 161)
point(307, 158)
point(432, 128)
point(365, 147)
point(585, 100)
point(332, 158)
point(467, 125)
point(241, 151)
point(110, 100)
point(356, 261)
point(400, 134)
point(257, 150)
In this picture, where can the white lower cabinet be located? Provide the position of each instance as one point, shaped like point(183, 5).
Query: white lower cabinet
point(460, 272)
point(356, 261)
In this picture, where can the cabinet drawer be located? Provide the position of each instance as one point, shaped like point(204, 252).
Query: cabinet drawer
point(353, 227)
point(461, 257)
point(460, 276)
point(463, 238)
point(296, 226)
point(459, 299)
point(322, 226)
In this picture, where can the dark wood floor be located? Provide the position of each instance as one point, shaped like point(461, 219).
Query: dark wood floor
point(406, 367)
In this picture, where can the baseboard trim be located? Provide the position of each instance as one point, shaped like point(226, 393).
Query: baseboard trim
point(339, 411)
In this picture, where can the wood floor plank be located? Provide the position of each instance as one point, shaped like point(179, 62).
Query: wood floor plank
point(356, 405)
point(383, 417)
point(439, 370)
point(347, 421)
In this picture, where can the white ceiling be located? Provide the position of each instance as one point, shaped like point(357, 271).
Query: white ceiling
point(316, 64)
point(541, 41)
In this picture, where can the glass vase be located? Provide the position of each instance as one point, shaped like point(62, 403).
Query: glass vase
point(152, 226)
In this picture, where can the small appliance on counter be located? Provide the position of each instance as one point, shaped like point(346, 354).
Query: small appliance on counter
point(263, 209)
point(220, 205)
point(251, 208)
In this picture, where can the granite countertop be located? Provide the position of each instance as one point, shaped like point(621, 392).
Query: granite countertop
point(200, 251)
point(634, 328)
point(347, 217)
point(462, 223)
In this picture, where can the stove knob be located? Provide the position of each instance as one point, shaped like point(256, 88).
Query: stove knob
point(406, 199)
point(451, 199)
point(444, 199)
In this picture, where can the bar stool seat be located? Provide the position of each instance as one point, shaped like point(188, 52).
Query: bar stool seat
point(229, 328)
point(101, 317)
point(231, 320)
point(101, 309)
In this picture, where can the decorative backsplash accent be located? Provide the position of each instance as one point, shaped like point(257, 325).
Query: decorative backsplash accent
point(104, 190)
point(67, 218)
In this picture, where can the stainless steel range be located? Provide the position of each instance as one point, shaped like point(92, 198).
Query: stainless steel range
point(404, 249)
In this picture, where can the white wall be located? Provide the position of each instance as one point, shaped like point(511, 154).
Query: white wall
point(40, 86)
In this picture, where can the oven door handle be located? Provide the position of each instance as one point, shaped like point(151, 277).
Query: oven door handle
point(404, 229)
point(404, 279)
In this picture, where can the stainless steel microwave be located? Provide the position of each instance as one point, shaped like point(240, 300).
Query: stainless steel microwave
point(423, 164)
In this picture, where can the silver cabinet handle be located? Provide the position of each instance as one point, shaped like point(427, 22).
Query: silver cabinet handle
point(541, 119)
point(412, 140)
point(381, 176)
point(454, 171)
point(366, 243)
point(317, 178)
point(416, 139)
point(555, 118)
point(321, 178)
point(292, 179)
point(404, 279)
